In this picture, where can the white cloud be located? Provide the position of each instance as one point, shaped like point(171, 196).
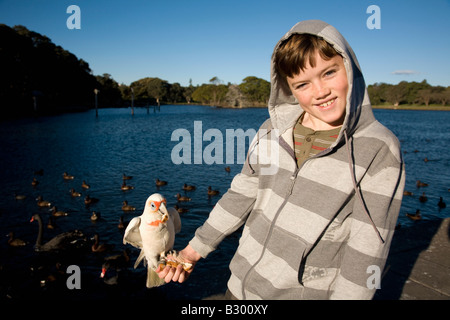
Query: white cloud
point(404, 72)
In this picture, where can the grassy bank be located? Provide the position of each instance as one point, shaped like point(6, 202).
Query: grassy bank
point(414, 107)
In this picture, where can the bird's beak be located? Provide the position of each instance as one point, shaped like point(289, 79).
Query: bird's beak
point(164, 211)
point(103, 272)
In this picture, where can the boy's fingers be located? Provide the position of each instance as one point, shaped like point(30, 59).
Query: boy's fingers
point(170, 273)
point(162, 273)
point(178, 272)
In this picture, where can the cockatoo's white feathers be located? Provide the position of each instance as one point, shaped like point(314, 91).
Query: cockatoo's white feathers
point(132, 234)
point(154, 233)
point(175, 216)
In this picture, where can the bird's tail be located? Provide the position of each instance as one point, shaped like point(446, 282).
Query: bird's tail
point(153, 280)
point(139, 259)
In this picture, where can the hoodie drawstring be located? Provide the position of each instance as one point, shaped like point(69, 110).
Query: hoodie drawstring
point(355, 187)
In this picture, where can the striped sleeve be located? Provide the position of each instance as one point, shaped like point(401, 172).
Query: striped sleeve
point(229, 213)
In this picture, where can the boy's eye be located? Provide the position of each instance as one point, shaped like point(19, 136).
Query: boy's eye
point(330, 72)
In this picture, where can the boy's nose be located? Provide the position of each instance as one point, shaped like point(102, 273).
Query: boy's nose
point(322, 91)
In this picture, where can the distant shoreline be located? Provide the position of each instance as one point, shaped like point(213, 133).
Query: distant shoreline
point(413, 107)
point(388, 107)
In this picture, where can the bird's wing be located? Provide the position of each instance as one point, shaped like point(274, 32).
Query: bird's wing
point(132, 234)
point(176, 218)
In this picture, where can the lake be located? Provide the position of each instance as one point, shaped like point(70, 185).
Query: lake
point(101, 149)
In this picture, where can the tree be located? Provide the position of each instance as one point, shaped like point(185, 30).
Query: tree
point(36, 72)
point(150, 90)
point(215, 90)
point(234, 97)
point(425, 96)
point(443, 96)
point(110, 93)
point(158, 89)
point(188, 91)
point(396, 94)
point(256, 90)
point(210, 94)
point(175, 93)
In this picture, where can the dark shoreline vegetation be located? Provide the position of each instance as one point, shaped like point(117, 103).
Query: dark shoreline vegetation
point(41, 78)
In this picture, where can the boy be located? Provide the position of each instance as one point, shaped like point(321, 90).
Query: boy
point(319, 225)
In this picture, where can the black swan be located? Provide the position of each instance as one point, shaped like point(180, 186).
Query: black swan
point(65, 240)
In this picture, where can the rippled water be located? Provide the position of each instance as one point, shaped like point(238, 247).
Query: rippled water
point(101, 149)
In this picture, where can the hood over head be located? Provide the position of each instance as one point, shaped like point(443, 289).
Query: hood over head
point(284, 108)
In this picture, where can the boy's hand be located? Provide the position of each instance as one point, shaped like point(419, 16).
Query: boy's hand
point(169, 273)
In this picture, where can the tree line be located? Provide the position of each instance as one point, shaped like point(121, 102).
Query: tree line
point(410, 93)
point(39, 77)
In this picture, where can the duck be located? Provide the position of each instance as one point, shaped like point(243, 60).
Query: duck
point(50, 223)
point(63, 241)
point(421, 184)
point(423, 197)
point(441, 203)
point(187, 187)
point(74, 193)
point(407, 193)
point(126, 187)
point(416, 216)
point(42, 203)
point(88, 200)
point(15, 242)
point(67, 176)
point(180, 210)
point(57, 213)
point(19, 196)
point(100, 247)
point(122, 225)
point(95, 216)
point(182, 198)
point(127, 207)
point(84, 185)
point(212, 192)
point(125, 177)
point(34, 182)
point(160, 183)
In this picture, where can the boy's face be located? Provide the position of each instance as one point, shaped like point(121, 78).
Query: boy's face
point(322, 93)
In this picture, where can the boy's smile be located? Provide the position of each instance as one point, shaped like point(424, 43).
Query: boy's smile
point(322, 92)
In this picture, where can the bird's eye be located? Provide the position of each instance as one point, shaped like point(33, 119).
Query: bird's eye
point(153, 206)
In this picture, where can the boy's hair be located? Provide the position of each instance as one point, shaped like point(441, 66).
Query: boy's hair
point(299, 50)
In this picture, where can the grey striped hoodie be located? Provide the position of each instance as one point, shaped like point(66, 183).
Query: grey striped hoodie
point(321, 231)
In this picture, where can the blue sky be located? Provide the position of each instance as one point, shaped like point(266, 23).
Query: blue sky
point(181, 40)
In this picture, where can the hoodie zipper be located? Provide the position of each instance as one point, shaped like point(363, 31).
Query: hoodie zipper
point(292, 179)
point(269, 234)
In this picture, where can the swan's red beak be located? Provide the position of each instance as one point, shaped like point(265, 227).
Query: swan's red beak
point(32, 219)
point(103, 272)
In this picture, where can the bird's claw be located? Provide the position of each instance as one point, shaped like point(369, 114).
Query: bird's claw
point(173, 262)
